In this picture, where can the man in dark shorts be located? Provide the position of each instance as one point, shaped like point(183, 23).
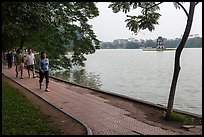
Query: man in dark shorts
point(19, 62)
point(30, 62)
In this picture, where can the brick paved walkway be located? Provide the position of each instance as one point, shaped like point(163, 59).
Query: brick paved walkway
point(101, 117)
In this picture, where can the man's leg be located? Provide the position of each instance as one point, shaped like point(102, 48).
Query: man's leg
point(21, 73)
point(28, 68)
point(16, 70)
point(8, 63)
point(21, 67)
point(33, 68)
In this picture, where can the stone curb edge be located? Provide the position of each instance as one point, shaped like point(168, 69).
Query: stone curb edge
point(88, 130)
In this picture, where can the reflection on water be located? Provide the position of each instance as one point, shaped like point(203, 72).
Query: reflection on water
point(80, 77)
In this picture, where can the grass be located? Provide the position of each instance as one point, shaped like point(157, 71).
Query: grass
point(184, 118)
point(20, 117)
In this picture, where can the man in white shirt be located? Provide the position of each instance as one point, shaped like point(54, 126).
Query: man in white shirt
point(30, 62)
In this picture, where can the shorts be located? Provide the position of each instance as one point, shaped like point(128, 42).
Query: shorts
point(31, 67)
point(19, 67)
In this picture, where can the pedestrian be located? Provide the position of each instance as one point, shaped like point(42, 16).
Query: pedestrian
point(10, 59)
point(19, 62)
point(5, 56)
point(2, 58)
point(30, 62)
point(44, 70)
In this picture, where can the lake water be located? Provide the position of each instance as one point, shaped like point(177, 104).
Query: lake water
point(147, 75)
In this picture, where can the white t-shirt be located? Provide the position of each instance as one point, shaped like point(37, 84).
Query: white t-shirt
point(30, 58)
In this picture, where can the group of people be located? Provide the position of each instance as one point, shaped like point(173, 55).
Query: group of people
point(29, 61)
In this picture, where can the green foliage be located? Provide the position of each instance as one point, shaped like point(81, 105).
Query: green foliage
point(184, 118)
point(20, 117)
point(56, 27)
point(195, 42)
point(80, 77)
point(147, 20)
point(141, 22)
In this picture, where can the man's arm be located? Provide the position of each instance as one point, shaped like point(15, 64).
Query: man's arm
point(15, 59)
point(34, 59)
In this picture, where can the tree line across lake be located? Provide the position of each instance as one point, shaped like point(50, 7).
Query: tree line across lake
point(195, 42)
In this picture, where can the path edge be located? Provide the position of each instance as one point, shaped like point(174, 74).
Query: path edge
point(88, 129)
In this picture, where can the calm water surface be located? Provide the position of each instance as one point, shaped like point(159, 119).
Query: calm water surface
point(147, 75)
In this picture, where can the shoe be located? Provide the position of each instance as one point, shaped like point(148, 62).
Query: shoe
point(29, 76)
point(47, 90)
point(16, 75)
point(40, 86)
point(34, 76)
point(21, 77)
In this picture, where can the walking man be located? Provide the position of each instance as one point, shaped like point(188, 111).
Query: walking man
point(19, 62)
point(30, 62)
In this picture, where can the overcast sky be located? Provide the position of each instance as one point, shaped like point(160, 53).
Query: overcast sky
point(109, 26)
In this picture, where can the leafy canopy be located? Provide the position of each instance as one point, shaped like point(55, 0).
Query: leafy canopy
point(147, 20)
point(56, 27)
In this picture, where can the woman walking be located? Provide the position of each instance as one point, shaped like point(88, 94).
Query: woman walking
point(44, 70)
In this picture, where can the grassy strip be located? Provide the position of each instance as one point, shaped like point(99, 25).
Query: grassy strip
point(185, 118)
point(20, 117)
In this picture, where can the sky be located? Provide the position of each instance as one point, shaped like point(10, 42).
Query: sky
point(109, 26)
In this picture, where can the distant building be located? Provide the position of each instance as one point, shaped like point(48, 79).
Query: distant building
point(160, 44)
point(116, 42)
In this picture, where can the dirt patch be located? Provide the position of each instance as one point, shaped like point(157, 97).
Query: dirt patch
point(57, 119)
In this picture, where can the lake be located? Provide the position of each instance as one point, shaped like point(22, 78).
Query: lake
point(145, 75)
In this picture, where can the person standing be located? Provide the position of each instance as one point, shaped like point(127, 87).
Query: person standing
point(19, 62)
point(5, 56)
point(2, 58)
point(44, 70)
point(10, 59)
point(30, 62)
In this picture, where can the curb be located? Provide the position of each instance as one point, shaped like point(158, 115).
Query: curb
point(158, 106)
point(88, 130)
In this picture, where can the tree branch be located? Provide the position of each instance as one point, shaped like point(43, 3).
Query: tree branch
point(151, 6)
point(183, 8)
point(196, 3)
point(154, 5)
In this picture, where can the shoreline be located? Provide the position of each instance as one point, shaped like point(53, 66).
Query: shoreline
point(158, 106)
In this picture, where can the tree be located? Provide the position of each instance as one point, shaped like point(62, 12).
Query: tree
point(148, 20)
point(57, 27)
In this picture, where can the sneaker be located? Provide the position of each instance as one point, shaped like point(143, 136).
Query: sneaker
point(47, 90)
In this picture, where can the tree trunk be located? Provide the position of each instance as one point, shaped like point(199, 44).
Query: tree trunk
point(177, 60)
